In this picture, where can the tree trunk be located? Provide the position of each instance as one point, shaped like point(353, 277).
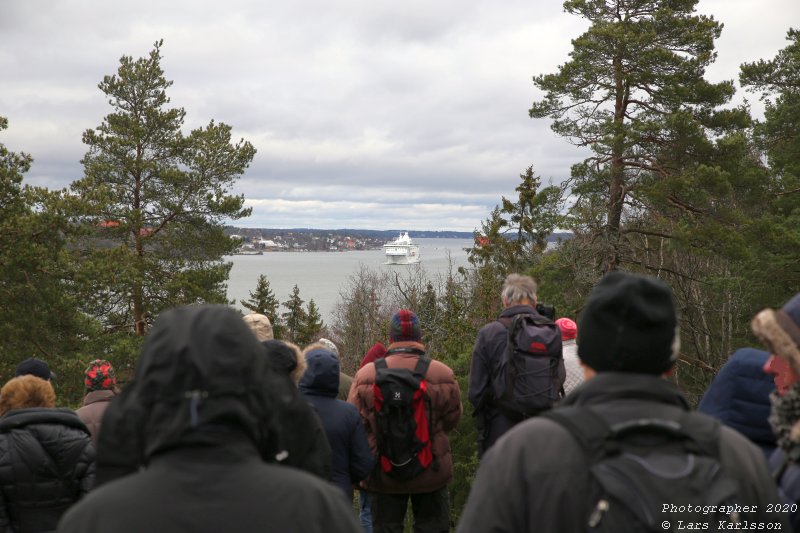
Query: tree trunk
point(616, 186)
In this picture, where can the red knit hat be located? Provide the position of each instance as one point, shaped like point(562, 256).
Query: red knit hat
point(100, 375)
point(568, 327)
point(404, 326)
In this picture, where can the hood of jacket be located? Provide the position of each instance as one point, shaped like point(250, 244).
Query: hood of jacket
point(286, 358)
point(21, 418)
point(375, 352)
point(322, 372)
point(610, 387)
point(202, 379)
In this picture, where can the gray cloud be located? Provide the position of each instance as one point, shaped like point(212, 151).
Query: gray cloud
point(363, 114)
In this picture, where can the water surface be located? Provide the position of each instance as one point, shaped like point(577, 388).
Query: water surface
point(322, 275)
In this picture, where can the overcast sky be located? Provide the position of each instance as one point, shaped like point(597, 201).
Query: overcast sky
point(365, 114)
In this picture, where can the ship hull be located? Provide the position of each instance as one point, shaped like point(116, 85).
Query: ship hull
point(401, 260)
point(401, 251)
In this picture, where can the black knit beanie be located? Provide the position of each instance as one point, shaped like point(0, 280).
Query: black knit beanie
point(628, 325)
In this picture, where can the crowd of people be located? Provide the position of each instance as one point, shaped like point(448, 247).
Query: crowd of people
point(580, 427)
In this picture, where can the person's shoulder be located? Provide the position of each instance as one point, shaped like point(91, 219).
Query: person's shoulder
point(364, 374)
point(101, 505)
point(540, 445)
point(299, 482)
point(731, 442)
point(439, 372)
point(491, 328)
point(345, 409)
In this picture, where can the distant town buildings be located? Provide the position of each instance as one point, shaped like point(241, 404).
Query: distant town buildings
point(260, 241)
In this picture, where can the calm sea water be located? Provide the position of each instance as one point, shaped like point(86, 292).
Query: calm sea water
point(322, 275)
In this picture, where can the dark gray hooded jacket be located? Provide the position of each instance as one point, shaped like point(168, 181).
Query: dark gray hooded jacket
point(536, 477)
point(201, 419)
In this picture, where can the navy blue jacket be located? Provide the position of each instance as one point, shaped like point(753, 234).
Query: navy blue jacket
point(739, 397)
point(352, 459)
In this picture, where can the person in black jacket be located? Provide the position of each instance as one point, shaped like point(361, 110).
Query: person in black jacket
point(304, 444)
point(519, 297)
point(46, 457)
point(352, 459)
point(201, 411)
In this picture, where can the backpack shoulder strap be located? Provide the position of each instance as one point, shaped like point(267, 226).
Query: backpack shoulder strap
point(599, 439)
point(415, 351)
point(510, 322)
point(702, 430)
point(421, 368)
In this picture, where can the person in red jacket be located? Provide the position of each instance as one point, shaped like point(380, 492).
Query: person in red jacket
point(427, 491)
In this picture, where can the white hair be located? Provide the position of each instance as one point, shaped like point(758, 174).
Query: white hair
point(518, 288)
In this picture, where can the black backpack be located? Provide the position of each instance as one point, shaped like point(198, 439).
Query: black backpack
point(528, 377)
point(403, 416)
point(653, 474)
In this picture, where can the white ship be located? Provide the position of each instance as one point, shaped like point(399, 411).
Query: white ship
point(401, 251)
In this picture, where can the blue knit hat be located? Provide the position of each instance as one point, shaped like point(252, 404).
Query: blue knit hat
point(404, 326)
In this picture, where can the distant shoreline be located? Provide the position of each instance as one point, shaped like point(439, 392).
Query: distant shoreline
point(384, 234)
point(420, 234)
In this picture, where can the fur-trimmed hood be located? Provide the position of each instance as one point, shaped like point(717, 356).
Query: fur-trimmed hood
point(286, 358)
point(779, 331)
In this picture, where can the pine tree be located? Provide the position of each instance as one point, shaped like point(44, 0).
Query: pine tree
point(156, 200)
point(38, 316)
point(778, 137)
point(515, 235)
point(263, 301)
point(632, 91)
point(295, 315)
point(312, 324)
